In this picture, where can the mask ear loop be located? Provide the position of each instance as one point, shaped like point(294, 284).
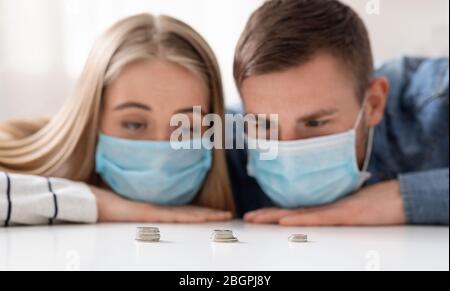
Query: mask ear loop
point(369, 149)
point(371, 136)
point(361, 113)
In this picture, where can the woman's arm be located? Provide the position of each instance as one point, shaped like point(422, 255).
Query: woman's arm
point(33, 200)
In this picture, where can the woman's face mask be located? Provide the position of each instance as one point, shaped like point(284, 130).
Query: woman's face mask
point(310, 172)
point(152, 171)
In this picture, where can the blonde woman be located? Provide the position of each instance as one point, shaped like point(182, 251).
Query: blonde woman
point(105, 156)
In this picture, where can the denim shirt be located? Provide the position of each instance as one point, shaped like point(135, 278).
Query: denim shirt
point(411, 144)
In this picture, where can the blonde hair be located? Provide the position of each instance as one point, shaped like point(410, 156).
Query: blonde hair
point(64, 146)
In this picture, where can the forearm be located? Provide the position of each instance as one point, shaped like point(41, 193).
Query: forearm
point(113, 208)
point(33, 200)
point(426, 197)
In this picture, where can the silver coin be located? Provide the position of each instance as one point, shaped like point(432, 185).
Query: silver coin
point(223, 236)
point(148, 234)
point(298, 238)
point(148, 239)
point(147, 230)
point(222, 230)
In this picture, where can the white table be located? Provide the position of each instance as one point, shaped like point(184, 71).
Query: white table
point(188, 247)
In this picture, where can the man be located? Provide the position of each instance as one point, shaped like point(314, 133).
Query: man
point(357, 147)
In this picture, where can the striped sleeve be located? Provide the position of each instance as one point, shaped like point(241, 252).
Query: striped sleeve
point(33, 200)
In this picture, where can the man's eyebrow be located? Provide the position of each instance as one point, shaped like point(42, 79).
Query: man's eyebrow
point(135, 105)
point(318, 114)
point(188, 110)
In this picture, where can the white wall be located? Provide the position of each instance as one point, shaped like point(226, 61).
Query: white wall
point(414, 27)
point(44, 43)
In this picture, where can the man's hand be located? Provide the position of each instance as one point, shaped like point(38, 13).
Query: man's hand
point(113, 208)
point(380, 204)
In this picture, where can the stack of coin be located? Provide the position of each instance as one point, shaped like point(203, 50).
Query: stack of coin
point(298, 238)
point(223, 236)
point(148, 234)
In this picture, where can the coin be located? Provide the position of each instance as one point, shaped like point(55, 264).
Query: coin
point(298, 238)
point(148, 234)
point(223, 236)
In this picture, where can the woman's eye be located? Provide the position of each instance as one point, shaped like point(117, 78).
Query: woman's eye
point(191, 130)
point(315, 123)
point(134, 126)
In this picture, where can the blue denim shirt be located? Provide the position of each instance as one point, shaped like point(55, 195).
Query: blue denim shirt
point(411, 144)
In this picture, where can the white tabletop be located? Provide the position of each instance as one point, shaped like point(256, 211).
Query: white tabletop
point(188, 247)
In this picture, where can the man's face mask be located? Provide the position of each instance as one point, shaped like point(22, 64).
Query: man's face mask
point(311, 172)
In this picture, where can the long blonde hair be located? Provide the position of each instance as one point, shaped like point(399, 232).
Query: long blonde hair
point(65, 145)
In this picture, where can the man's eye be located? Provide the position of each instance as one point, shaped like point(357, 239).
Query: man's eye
point(134, 126)
point(315, 123)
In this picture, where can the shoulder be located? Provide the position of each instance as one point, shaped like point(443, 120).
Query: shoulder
point(416, 83)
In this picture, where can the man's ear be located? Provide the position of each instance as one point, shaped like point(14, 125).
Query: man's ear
point(377, 96)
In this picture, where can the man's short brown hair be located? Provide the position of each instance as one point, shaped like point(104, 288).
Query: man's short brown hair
point(283, 34)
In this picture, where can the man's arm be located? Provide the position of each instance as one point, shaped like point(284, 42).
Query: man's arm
point(425, 196)
point(419, 198)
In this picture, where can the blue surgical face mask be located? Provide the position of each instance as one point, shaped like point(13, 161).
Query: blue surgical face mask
point(152, 171)
point(310, 172)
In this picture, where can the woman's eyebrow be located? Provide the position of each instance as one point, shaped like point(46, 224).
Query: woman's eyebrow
point(136, 105)
point(189, 110)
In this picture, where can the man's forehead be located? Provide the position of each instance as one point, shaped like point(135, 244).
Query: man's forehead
point(321, 74)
